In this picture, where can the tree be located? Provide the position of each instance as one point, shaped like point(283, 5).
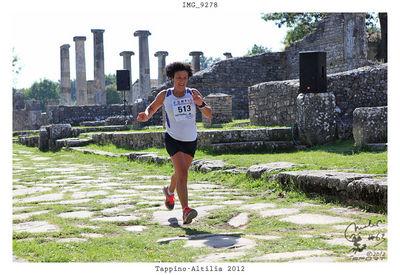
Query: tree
point(16, 68)
point(258, 50)
point(299, 24)
point(43, 91)
point(112, 95)
point(206, 62)
point(382, 46)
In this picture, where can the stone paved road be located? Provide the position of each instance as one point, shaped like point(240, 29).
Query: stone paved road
point(250, 228)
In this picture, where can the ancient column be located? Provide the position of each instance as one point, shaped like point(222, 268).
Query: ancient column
point(144, 63)
point(81, 86)
point(127, 66)
point(161, 65)
point(91, 90)
point(65, 80)
point(195, 60)
point(98, 50)
point(228, 55)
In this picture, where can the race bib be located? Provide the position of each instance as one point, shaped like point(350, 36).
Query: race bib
point(183, 109)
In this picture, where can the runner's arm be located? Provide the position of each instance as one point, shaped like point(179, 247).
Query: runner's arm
point(152, 108)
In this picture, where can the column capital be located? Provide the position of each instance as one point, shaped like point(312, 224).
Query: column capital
point(141, 33)
point(97, 30)
point(65, 46)
point(126, 53)
point(80, 38)
point(227, 54)
point(161, 53)
point(196, 53)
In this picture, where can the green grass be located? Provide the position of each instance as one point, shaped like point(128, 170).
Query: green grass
point(341, 155)
point(118, 245)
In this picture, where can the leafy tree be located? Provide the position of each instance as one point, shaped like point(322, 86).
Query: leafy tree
point(111, 79)
point(298, 24)
point(43, 91)
point(258, 50)
point(112, 95)
point(16, 68)
point(206, 62)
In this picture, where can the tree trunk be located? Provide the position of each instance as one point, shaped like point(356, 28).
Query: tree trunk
point(382, 46)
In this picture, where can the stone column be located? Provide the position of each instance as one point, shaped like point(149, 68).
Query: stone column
point(127, 66)
point(91, 90)
point(228, 55)
point(65, 80)
point(161, 65)
point(144, 63)
point(98, 50)
point(81, 86)
point(196, 60)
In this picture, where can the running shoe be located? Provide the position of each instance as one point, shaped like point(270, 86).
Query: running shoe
point(188, 215)
point(169, 199)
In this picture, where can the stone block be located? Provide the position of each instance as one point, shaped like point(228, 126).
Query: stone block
point(370, 125)
point(316, 118)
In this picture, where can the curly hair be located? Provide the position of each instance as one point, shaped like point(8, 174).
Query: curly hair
point(174, 67)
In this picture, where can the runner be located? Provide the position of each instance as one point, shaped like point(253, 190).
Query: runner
point(181, 132)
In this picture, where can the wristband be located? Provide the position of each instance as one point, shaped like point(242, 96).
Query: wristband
point(202, 105)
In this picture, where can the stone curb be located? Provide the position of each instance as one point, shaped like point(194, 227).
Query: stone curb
point(354, 188)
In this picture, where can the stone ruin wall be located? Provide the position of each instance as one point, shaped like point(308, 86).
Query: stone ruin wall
point(233, 77)
point(362, 87)
point(341, 35)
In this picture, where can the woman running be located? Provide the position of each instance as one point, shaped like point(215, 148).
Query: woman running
point(181, 132)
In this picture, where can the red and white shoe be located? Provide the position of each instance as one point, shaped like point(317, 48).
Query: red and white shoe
point(188, 215)
point(169, 199)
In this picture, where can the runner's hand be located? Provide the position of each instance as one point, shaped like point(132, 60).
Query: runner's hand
point(197, 98)
point(142, 117)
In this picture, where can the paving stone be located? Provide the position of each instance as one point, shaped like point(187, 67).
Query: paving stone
point(46, 197)
point(121, 218)
point(315, 260)
point(278, 212)
point(76, 214)
point(288, 255)
point(35, 227)
point(219, 257)
point(87, 226)
point(79, 195)
point(113, 201)
point(117, 209)
point(70, 202)
point(23, 216)
point(315, 219)
point(174, 217)
point(264, 237)
point(41, 158)
point(239, 220)
point(232, 202)
point(222, 242)
point(257, 206)
point(61, 170)
point(135, 228)
point(31, 190)
point(144, 187)
point(203, 186)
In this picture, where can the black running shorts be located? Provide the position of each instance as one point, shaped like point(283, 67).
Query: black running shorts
point(173, 146)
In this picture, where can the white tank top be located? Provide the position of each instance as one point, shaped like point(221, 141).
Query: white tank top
point(180, 114)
